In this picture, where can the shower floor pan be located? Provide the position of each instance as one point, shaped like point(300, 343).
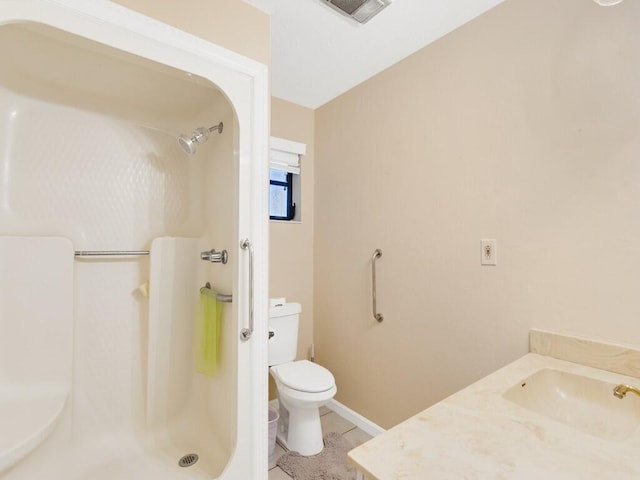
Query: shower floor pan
point(125, 460)
point(120, 454)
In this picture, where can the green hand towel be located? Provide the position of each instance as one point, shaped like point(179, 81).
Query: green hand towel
point(208, 334)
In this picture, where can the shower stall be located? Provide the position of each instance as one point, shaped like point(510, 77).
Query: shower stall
point(115, 220)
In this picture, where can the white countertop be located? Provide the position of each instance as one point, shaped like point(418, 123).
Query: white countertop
point(478, 434)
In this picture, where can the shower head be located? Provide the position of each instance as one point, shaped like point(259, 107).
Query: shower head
point(199, 135)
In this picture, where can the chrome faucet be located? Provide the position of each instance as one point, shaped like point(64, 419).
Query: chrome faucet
point(621, 390)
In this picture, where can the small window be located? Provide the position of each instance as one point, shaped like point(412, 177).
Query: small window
point(281, 206)
point(284, 180)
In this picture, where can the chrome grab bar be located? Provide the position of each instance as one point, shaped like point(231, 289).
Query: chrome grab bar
point(245, 333)
point(215, 257)
point(377, 254)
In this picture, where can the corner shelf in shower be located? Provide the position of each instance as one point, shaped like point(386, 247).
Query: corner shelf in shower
point(28, 415)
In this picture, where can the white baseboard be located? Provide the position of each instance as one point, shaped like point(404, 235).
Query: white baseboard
point(345, 412)
point(355, 418)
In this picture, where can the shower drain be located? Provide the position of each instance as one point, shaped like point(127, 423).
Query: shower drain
point(188, 460)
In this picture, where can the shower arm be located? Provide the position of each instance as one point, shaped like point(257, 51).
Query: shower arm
point(218, 127)
point(198, 134)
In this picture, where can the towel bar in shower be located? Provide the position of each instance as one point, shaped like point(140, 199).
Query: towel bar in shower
point(221, 297)
point(377, 254)
point(110, 253)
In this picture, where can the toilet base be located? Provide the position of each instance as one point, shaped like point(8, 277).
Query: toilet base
point(299, 430)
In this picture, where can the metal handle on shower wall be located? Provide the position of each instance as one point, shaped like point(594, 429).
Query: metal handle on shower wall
point(377, 254)
point(215, 257)
point(245, 333)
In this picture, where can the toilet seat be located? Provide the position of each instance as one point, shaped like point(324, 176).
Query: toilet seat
point(304, 376)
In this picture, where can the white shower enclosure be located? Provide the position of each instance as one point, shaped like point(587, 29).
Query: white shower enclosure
point(98, 352)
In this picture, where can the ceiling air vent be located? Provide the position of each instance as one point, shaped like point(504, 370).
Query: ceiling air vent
point(360, 10)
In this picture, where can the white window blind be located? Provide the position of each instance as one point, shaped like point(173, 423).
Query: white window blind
point(285, 155)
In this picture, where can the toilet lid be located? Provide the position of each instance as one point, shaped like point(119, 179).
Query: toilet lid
point(304, 376)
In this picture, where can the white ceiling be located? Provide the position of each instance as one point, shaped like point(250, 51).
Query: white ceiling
point(318, 54)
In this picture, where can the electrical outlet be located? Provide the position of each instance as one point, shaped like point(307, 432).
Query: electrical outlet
point(489, 252)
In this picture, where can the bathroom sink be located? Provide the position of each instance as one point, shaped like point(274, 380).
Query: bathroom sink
point(580, 402)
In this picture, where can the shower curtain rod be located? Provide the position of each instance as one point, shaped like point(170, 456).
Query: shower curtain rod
point(110, 253)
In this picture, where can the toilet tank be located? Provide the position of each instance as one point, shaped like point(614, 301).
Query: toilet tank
point(284, 319)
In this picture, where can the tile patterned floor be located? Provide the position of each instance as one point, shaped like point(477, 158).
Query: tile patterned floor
point(331, 422)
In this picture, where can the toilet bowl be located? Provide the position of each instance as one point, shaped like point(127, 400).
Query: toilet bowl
point(302, 386)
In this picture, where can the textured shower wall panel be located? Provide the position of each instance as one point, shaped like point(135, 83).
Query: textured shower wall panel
point(102, 182)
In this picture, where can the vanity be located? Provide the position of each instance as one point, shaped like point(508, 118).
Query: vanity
point(551, 414)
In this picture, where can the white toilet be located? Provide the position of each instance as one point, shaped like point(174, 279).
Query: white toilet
point(303, 386)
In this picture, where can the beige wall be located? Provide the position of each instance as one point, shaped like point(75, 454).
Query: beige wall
point(291, 244)
point(230, 23)
point(524, 126)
